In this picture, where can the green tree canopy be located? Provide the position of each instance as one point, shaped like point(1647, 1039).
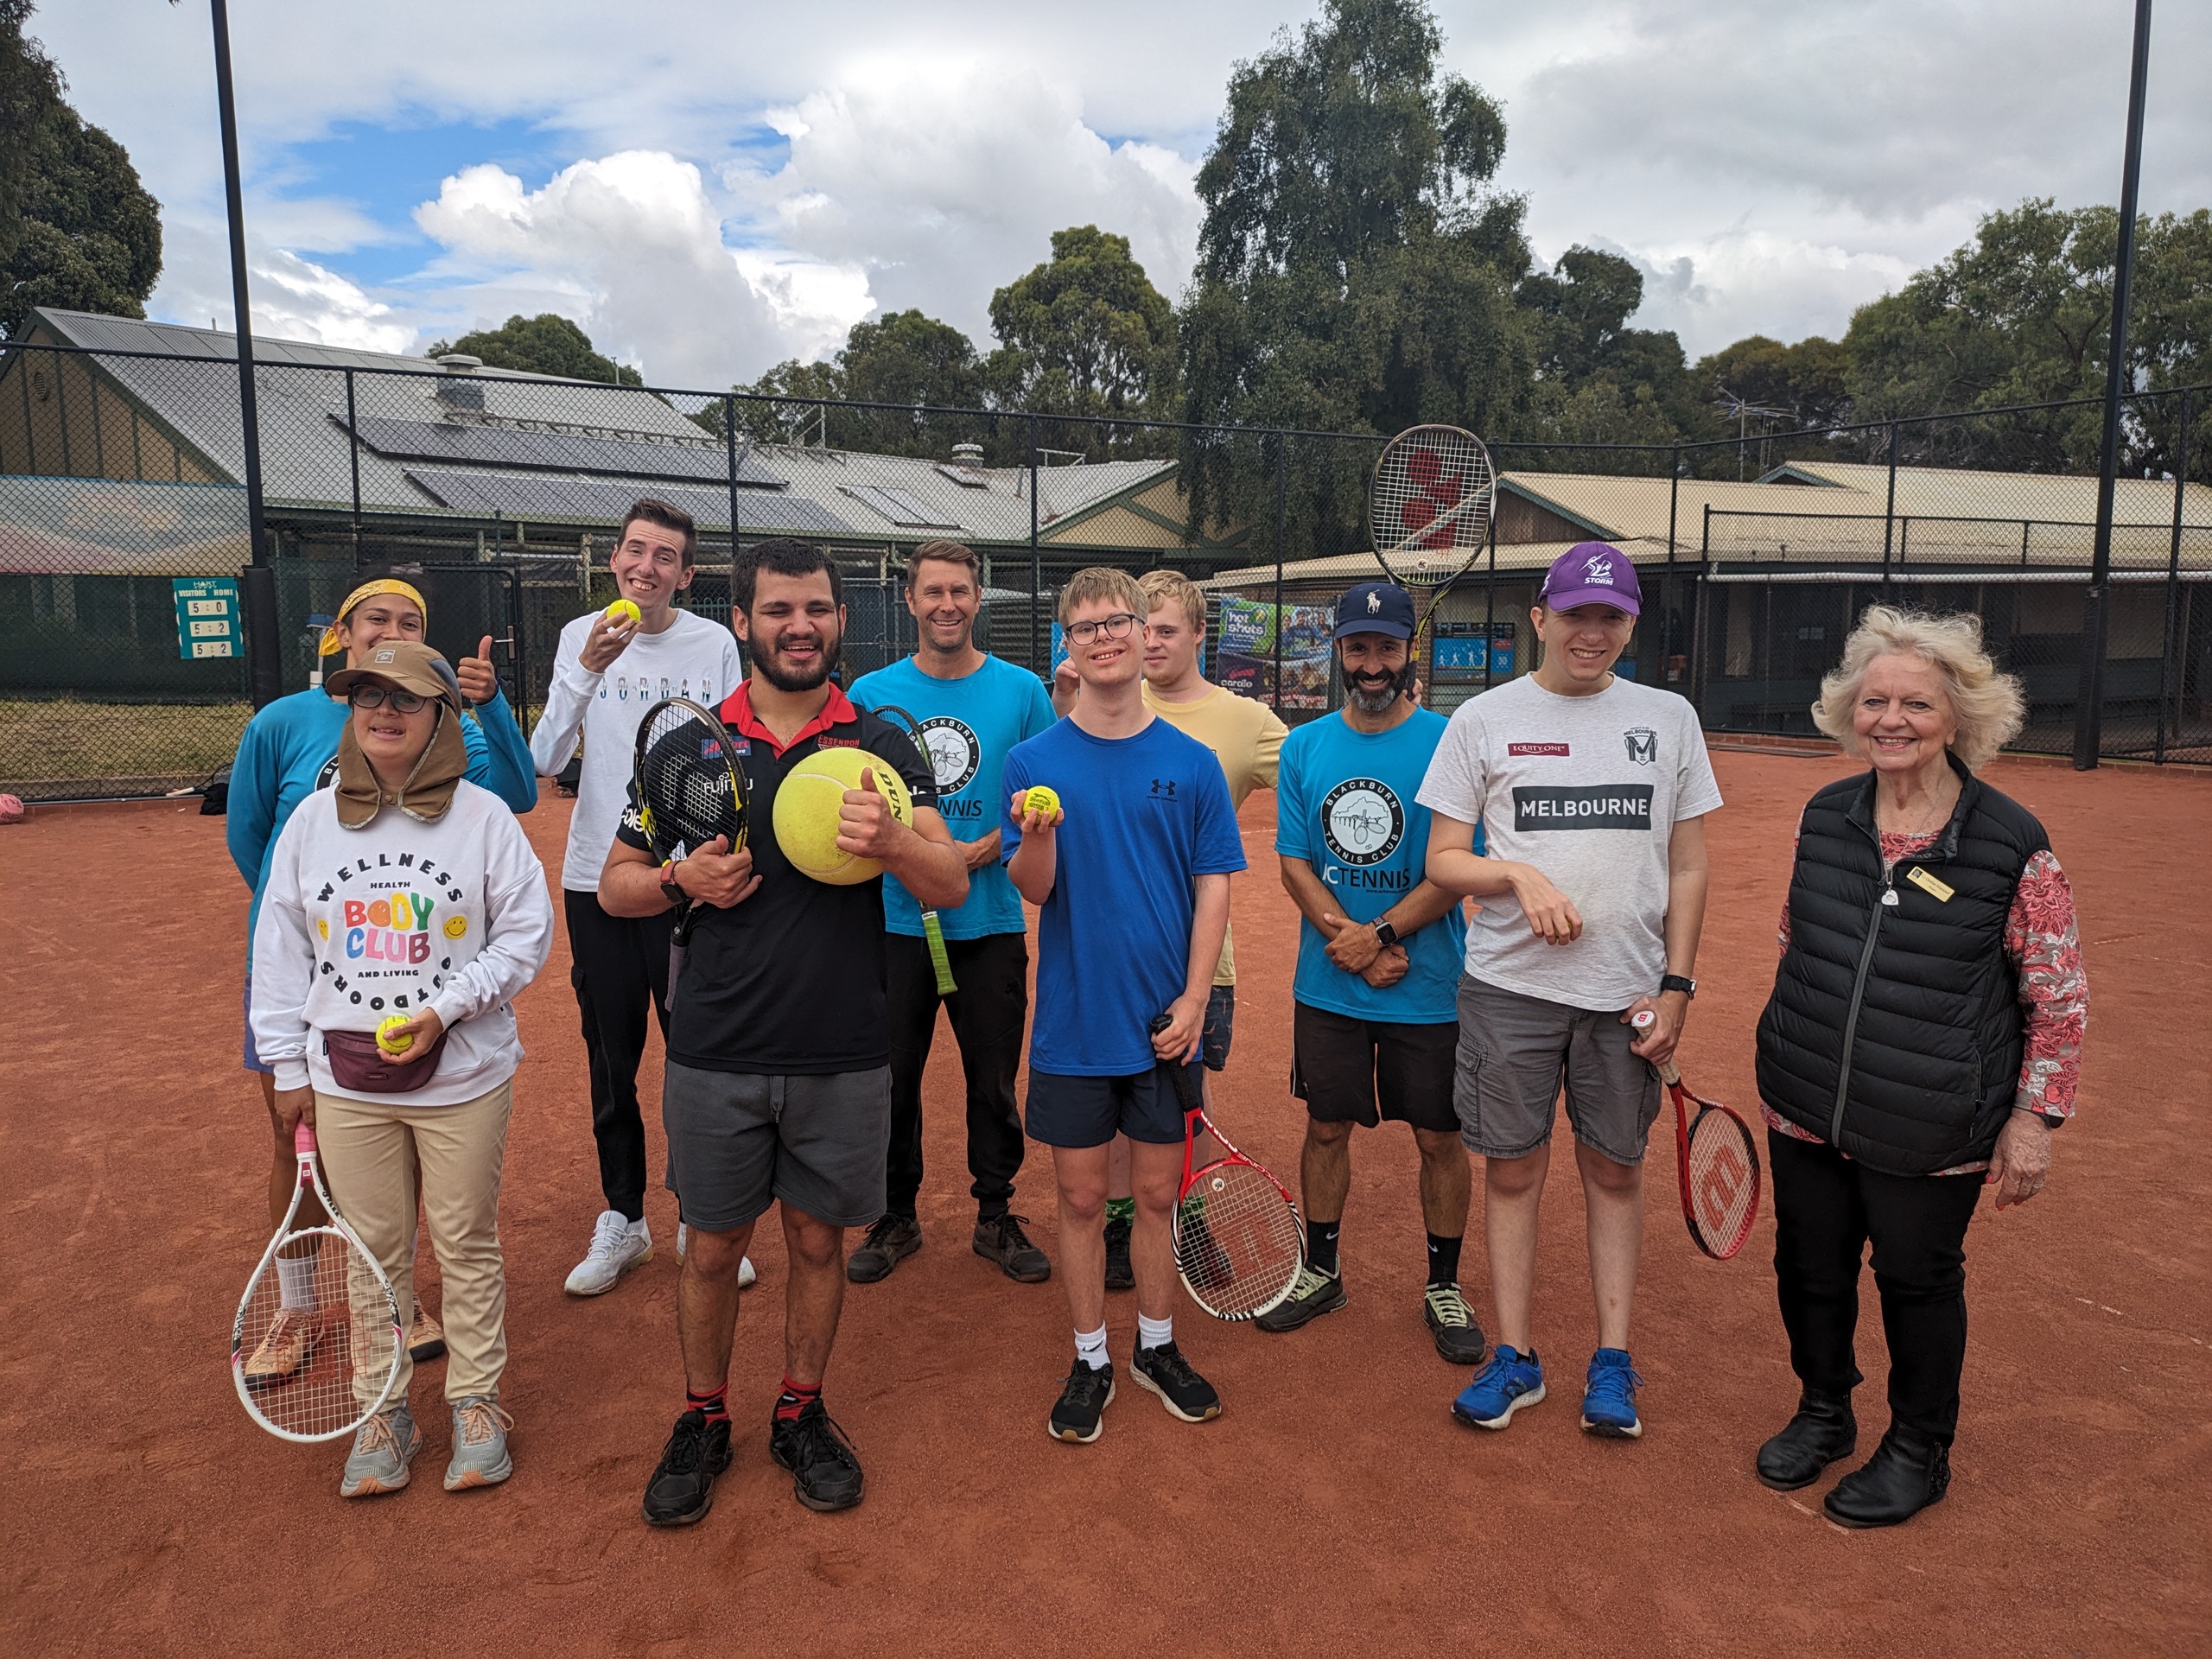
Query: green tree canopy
point(1810, 380)
point(77, 231)
point(1599, 380)
point(905, 359)
point(545, 344)
point(1086, 332)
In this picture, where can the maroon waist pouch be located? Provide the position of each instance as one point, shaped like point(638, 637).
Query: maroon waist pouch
point(356, 1063)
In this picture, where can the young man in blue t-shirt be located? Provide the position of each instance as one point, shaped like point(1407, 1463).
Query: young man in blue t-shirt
point(1375, 1023)
point(1131, 875)
point(972, 708)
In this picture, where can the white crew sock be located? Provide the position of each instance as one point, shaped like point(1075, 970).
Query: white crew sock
point(1155, 1333)
point(639, 1230)
point(1090, 1348)
point(296, 1283)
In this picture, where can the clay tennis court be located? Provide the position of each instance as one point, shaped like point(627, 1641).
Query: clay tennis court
point(1334, 1506)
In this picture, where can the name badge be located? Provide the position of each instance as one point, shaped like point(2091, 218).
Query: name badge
point(1927, 883)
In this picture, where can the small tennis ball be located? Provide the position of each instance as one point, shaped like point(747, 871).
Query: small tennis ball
point(625, 610)
point(807, 803)
point(385, 1041)
point(1041, 799)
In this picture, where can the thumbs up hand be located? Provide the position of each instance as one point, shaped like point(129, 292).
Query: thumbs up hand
point(480, 681)
point(865, 824)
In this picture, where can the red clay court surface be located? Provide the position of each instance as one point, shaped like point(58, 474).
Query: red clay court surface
point(1336, 1505)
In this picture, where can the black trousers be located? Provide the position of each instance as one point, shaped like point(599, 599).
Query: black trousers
point(1826, 1207)
point(618, 966)
point(989, 1014)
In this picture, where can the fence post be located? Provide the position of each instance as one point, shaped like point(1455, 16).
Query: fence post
point(1036, 565)
point(1890, 514)
point(353, 457)
point(1282, 489)
point(729, 449)
point(1667, 581)
point(2166, 687)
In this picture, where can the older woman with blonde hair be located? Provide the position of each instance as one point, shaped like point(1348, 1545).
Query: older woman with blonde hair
point(1922, 1040)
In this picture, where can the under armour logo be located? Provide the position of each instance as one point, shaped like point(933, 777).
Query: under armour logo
point(1373, 602)
point(1163, 789)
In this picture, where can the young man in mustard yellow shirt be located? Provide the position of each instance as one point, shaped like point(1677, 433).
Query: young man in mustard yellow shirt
point(1245, 736)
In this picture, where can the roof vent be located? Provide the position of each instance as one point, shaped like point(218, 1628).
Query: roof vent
point(461, 363)
point(967, 455)
point(458, 388)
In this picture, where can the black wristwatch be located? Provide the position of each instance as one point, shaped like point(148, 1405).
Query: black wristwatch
point(1677, 983)
point(1384, 934)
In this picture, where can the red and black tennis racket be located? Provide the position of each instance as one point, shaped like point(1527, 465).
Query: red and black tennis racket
point(1238, 1244)
point(1717, 1164)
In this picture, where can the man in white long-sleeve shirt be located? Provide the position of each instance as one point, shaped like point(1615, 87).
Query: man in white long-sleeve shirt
point(606, 674)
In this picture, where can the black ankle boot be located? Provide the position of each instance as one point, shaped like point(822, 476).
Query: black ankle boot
point(1822, 1431)
point(1907, 1472)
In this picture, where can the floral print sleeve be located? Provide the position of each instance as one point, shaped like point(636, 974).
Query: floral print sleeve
point(2042, 940)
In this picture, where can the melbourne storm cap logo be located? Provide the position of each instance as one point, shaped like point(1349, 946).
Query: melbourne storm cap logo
point(1599, 570)
point(1642, 745)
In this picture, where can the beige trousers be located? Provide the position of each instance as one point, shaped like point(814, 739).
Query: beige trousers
point(369, 1152)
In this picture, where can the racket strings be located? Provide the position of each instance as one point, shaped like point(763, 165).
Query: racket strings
point(1724, 1181)
point(686, 781)
point(1237, 1242)
point(1433, 494)
point(328, 1361)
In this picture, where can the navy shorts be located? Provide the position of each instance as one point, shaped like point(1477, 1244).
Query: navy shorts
point(252, 1059)
point(1220, 1026)
point(1071, 1111)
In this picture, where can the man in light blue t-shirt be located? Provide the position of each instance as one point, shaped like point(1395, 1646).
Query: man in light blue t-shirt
point(1375, 1020)
point(971, 708)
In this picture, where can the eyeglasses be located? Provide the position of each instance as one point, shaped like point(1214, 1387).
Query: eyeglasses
point(1115, 626)
point(376, 696)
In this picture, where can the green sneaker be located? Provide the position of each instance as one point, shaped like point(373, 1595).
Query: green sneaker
point(1315, 1293)
point(480, 1443)
point(1450, 1321)
point(383, 1447)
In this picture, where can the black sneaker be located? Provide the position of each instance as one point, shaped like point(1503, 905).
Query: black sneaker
point(891, 1241)
point(682, 1487)
point(1315, 1293)
point(825, 1475)
point(1084, 1398)
point(1120, 1274)
point(1451, 1323)
point(1182, 1390)
point(998, 1238)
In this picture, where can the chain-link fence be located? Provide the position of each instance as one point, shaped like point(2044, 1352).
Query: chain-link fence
point(125, 648)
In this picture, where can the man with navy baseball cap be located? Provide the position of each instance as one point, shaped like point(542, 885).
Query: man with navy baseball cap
point(1591, 791)
point(1374, 1025)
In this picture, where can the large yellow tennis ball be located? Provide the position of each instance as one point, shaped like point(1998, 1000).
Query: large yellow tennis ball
point(625, 610)
point(806, 813)
point(385, 1026)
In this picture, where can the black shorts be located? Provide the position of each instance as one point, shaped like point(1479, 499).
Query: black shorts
point(1339, 1065)
point(1066, 1110)
point(1220, 1027)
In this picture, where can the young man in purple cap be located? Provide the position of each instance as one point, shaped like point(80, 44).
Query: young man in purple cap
point(1591, 791)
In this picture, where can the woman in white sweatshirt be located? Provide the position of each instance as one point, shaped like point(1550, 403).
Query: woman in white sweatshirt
point(405, 890)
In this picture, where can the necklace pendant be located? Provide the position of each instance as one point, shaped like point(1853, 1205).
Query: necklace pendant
point(1890, 897)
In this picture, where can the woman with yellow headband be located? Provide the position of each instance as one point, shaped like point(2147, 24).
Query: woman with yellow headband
point(289, 751)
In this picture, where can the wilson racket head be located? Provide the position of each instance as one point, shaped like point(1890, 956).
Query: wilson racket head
point(1238, 1246)
point(1724, 1182)
point(690, 787)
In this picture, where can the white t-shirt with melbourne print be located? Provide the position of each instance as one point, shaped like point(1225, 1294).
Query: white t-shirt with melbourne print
point(1588, 790)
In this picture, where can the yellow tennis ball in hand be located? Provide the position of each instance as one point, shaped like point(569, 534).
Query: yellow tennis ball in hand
point(1042, 800)
point(625, 610)
point(387, 1041)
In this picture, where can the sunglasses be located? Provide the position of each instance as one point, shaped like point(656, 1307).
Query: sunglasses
point(377, 697)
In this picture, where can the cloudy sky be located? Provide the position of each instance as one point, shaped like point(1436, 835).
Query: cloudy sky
point(710, 186)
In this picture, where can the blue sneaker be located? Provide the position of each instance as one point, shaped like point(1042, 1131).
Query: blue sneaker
point(1609, 1397)
point(1509, 1382)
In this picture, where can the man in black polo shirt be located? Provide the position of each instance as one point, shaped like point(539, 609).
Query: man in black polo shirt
point(779, 1085)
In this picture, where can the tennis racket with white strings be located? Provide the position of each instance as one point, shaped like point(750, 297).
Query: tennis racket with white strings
point(1716, 1165)
point(315, 1349)
point(691, 789)
point(1238, 1244)
point(1428, 510)
point(932, 930)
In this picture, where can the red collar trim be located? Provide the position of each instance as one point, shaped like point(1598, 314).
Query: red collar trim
point(737, 714)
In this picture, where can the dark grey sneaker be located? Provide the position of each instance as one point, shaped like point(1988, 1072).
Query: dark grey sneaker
point(998, 1238)
point(825, 1473)
point(383, 1447)
point(1315, 1293)
point(1120, 1274)
point(891, 1241)
point(1084, 1399)
point(1182, 1390)
point(1451, 1323)
point(480, 1443)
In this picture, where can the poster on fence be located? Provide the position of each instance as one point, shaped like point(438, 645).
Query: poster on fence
point(1247, 654)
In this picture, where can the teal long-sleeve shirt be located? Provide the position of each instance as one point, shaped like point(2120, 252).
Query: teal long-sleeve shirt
point(291, 750)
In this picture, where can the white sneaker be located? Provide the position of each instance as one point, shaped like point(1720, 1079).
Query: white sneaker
point(746, 1275)
point(617, 1245)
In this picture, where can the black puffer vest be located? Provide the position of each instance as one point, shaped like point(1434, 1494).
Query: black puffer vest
point(1895, 1031)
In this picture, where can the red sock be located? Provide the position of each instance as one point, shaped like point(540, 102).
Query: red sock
point(714, 1405)
point(794, 1400)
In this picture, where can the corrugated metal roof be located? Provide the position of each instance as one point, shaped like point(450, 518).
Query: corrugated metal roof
point(1348, 567)
point(533, 498)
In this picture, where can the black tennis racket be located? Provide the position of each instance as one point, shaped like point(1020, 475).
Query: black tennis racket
point(932, 930)
point(691, 789)
point(1429, 511)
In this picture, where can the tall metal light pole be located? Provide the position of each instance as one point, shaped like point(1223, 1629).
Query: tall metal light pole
point(2088, 709)
point(265, 650)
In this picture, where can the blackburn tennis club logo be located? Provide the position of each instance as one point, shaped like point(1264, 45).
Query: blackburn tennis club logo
point(328, 775)
point(954, 753)
point(1642, 745)
point(1363, 821)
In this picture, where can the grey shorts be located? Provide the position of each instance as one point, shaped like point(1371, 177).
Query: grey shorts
point(739, 1142)
point(1514, 1053)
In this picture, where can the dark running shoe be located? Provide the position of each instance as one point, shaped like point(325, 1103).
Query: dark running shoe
point(1182, 1390)
point(1084, 1399)
point(1120, 1274)
point(681, 1490)
point(1315, 1293)
point(1451, 1323)
point(998, 1238)
point(825, 1475)
point(891, 1241)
